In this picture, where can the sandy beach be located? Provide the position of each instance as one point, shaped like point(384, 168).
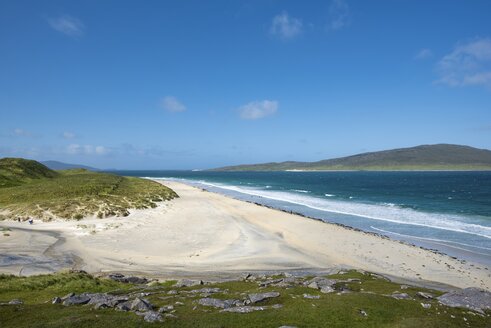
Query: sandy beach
point(207, 234)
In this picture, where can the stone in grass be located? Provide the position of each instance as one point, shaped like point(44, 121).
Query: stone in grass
point(56, 300)
point(426, 305)
point(401, 296)
point(76, 300)
point(166, 308)
point(255, 298)
point(363, 313)
point(125, 306)
point(313, 297)
point(16, 302)
point(244, 309)
point(223, 304)
point(188, 283)
point(424, 295)
point(472, 298)
point(140, 304)
point(152, 316)
point(327, 289)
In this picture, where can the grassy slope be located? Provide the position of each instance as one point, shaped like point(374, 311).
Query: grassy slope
point(426, 157)
point(331, 310)
point(18, 171)
point(73, 194)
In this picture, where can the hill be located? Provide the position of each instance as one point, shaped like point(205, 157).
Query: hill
point(17, 171)
point(55, 165)
point(424, 157)
point(30, 189)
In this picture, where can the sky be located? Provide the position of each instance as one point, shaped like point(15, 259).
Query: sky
point(201, 84)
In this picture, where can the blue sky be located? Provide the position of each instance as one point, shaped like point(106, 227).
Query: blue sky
point(199, 84)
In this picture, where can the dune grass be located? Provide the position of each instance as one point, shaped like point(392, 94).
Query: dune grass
point(370, 294)
point(74, 194)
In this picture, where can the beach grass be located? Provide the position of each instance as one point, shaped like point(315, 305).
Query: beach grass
point(371, 296)
point(74, 194)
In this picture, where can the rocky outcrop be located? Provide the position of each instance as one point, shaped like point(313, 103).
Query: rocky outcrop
point(255, 298)
point(471, 298)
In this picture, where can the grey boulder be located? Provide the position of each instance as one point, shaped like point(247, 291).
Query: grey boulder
point(254, 298)
point(471, 298)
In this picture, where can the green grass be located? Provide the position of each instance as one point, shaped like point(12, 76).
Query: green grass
point(331, 310)
point(74, 194)
point(17, 171)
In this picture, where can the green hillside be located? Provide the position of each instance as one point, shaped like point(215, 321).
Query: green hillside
point(30, 189)
point(425, 157)
point(17, 171)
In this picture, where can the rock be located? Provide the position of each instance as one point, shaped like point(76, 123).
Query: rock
point(206, 291)
point(426, 305)
point(179, 303)
point(214, 302)
point(166, 308)
point(16, 302)
point(424, 295)
point(254, 298)
point(76, 300)
point(319, 282)
point(244, 309)
point(135, 280)
point(401, 296)
point(363, 313)
point(104, 300)
point(188, 283)
point(472, 298)
point(139, 304)
point(327, 289)
point(172, 292)
point(270, 282)
point(152, 316)
point(170, 315)
point(312, 297)
point(56, 300)
point(125, 306)
point(277, 306)
point(131, 280)
point(67, 296)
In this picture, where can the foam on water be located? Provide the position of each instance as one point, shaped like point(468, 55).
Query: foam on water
point(383, 212)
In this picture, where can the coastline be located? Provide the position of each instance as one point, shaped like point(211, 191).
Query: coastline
point(204, 233)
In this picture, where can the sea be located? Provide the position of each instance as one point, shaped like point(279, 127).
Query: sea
point(449, 212)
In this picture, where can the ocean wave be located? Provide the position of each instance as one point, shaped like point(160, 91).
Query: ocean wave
point(436, 241)
point(329, 195)
point(394, 214)
point(300, 190)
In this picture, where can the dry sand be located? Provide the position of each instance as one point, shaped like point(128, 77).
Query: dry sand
point(207, 234)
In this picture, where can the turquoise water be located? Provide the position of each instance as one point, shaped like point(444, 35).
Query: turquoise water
point(447, 211)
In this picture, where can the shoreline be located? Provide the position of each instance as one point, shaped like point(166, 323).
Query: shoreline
point(208, 234)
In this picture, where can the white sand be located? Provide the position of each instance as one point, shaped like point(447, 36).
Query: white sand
point(203, 233)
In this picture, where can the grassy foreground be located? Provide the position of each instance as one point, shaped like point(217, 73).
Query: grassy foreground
point(370, 294)
point(29, 189)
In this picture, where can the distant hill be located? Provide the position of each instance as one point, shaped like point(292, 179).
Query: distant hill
point(55, 165)
point(17, 171)
point(425, 157)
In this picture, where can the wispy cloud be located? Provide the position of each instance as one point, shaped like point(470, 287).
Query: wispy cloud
point(424, 53)
point(18, 132)
point(171, 104)
point(285, 27)
point(468, 64)
point(67, 25)
point(258, 109)
point(68, 135)
point(76, 149)
point(339, 15)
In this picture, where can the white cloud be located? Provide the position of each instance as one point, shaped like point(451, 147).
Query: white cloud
point(76, 149)
point(424, 53)
point(21, 133)
point(285, 27)
point(68, 135)
point(468, 64)
point(339, 15)
point(67, 25)
point(258, 109)
point(171, 104)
